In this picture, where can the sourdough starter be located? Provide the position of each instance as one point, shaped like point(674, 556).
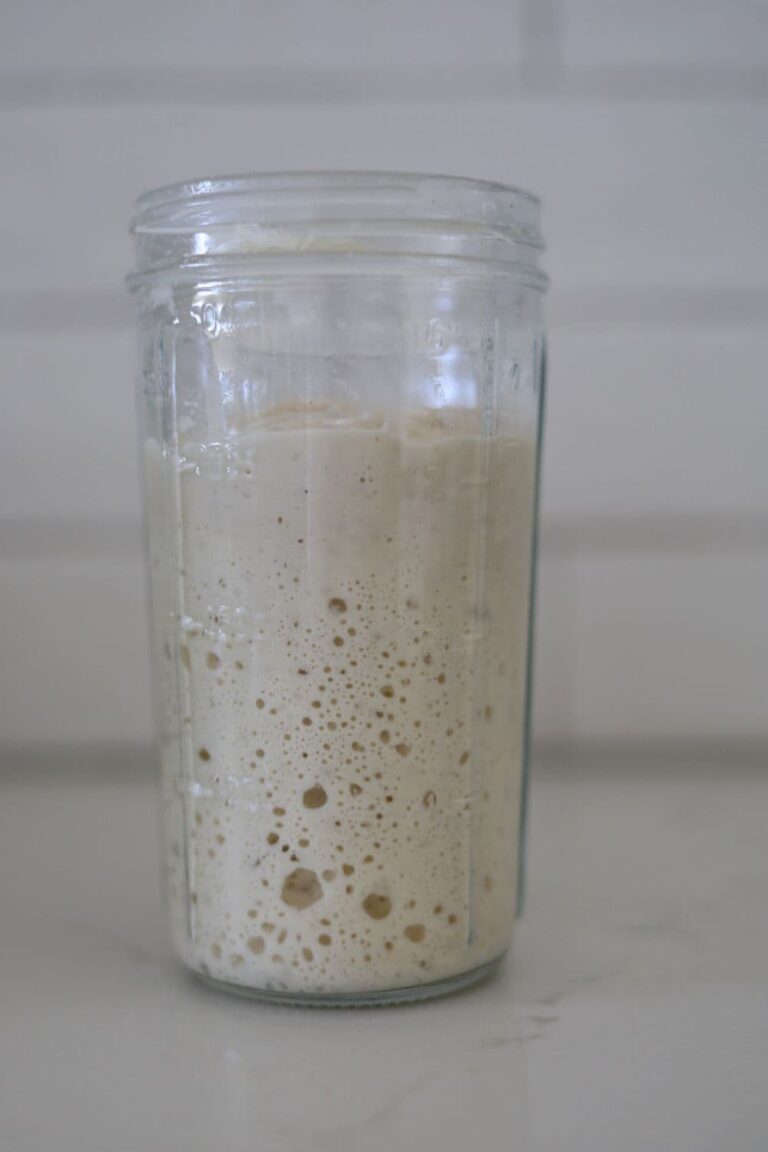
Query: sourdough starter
point(347, 650)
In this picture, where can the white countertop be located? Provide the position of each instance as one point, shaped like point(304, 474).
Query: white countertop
point(631, 1016)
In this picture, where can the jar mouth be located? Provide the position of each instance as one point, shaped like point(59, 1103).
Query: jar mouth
point(335, 213)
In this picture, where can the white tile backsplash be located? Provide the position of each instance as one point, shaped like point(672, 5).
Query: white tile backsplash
point(645, 194)
point(645, 129)
point(74, 641)
point(671, 33)
point(668, 647)
point(68, 433)
point(313, 34)
point(652, 421)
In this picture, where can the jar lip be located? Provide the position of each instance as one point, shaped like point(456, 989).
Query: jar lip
point(299, 198)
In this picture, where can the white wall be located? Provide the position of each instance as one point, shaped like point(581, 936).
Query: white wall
point(645, 129)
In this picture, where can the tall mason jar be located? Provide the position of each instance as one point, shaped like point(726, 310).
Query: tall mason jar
point(341, 384)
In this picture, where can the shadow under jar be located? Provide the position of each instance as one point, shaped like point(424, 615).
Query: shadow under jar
point(341, 387)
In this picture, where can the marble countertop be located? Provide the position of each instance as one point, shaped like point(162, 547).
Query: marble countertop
point(631, 1015)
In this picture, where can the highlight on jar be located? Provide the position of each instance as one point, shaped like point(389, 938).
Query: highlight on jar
point(341, 387)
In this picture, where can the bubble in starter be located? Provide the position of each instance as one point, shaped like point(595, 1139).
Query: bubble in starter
point(416, 932)
point(377, 906)
point(315, 797)
point(301, 888)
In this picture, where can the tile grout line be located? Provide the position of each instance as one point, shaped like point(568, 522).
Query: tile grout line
point(542, 35)
point(540, 74)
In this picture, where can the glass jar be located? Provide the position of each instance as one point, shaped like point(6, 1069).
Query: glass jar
point(341, 381)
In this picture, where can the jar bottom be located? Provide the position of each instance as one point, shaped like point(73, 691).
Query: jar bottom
point(388, 996)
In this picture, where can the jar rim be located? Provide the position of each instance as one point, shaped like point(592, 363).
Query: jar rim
point(276, 198)
point(233, 222)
